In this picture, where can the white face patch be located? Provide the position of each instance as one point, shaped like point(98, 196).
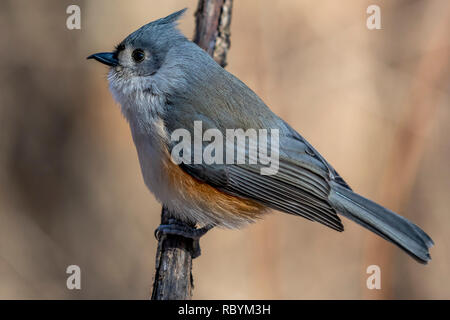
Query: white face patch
point(125, 59)
point(137, 94)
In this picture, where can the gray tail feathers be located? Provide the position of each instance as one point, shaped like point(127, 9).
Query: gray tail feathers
point(382, 221)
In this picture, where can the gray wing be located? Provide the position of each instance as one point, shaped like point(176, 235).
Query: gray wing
point(300, 187)
point(219, 100)
point(314, 153)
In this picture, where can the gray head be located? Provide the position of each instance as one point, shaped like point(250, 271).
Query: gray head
point(151, 63)
point(144, 51)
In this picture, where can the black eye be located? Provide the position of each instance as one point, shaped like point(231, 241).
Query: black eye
point(138, 55)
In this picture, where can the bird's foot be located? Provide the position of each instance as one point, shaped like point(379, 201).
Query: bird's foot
point(182, 229)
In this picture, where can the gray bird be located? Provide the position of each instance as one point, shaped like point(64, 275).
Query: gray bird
point(165, 83)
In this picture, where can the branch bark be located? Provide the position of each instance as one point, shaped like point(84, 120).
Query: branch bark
point(173, 276)
point(212, 28)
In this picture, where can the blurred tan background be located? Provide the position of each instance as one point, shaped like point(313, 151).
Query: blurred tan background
point(374, 103)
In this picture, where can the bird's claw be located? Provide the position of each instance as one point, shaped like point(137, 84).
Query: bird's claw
point(182, 229)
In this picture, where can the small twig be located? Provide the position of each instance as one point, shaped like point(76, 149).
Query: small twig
point(173, 277)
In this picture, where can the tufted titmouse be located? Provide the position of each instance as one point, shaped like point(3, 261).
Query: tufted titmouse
point(165, 83)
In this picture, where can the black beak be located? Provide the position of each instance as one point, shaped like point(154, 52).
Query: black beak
point(107, 58)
